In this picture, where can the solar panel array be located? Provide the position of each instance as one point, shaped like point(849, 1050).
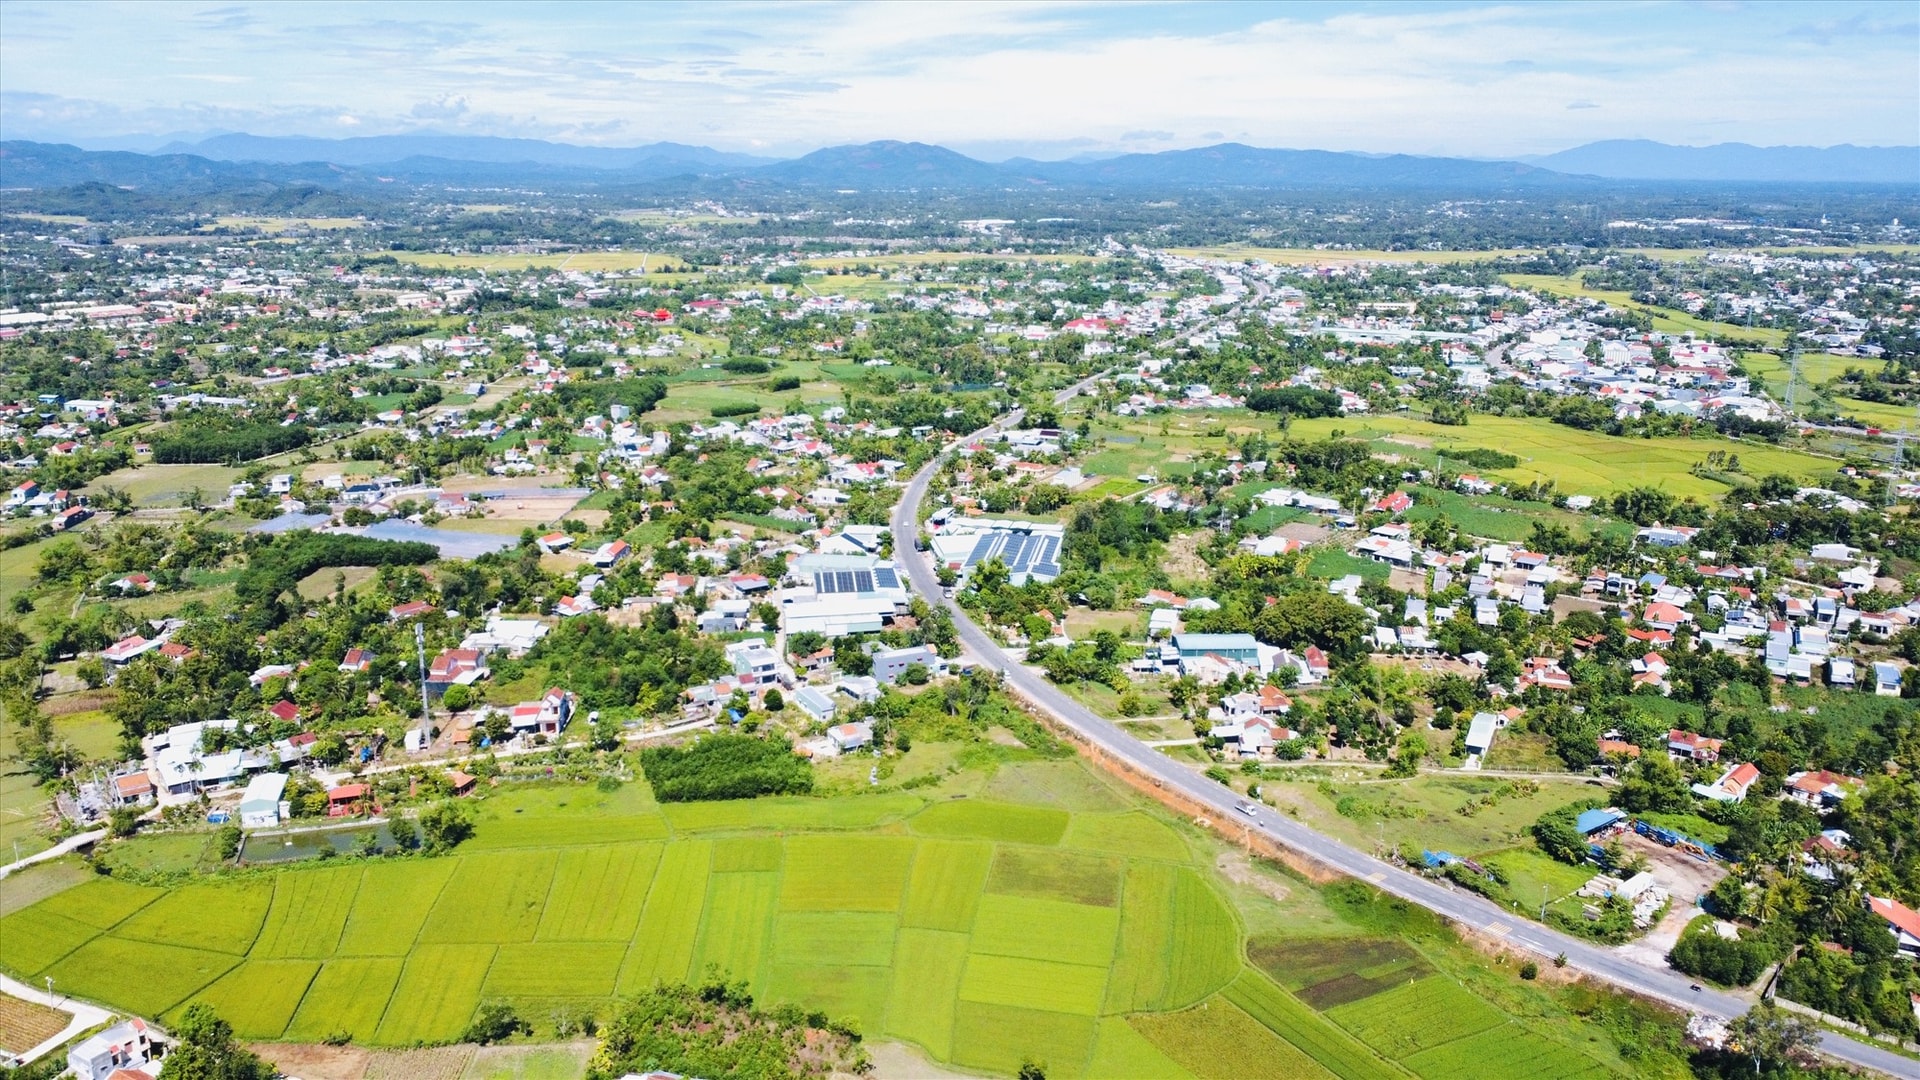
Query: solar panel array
point(844, 581)
point(1022, 553)
point(885, 577)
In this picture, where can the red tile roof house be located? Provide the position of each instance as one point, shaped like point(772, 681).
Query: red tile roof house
point(1732, 785)
point(285, 712)
point(1902, 921)
point(348, 799)
point(1397, 503)
point(1685, 744)
point(1820, 789)
point(412, 609)
point(455, 666)
point(357, 659)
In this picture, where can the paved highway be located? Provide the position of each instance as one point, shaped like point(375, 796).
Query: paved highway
point(1467, 909)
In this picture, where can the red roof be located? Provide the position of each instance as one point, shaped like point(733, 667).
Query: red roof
point(346, 792)
point(1897, 913)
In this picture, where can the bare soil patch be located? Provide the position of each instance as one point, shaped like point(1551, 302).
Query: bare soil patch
point(316, 1061)
point(1238, 868)
point(24, 1025)
point(1307, 534)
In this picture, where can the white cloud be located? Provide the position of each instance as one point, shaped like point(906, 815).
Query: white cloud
point(1483, 80)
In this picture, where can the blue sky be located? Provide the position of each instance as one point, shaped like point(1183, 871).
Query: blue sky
point(992, 79)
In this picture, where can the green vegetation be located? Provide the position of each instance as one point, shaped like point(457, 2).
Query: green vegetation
point(725, 767)
point(228, 442)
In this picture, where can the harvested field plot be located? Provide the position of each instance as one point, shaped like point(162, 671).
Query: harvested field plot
point(599, 893)
point(493, 898)
point(308, 913)
point(32, 938)
point(1508, 1052)
point(167, 973)
point(1217, 1039)
point(259, 997)
point(663, 948)
point(440, 987)
point(999, 1037)
point(927, 970)
point(737, 924)
point(992, 821)
point(855, 873)
point(553, 969)
point(1134, 835)
point(1033, 984)
point(346, 995)
point(1334, 972)
point(1418, 1016)
point(24, 1025)
point(944, 889)
point(225, 918)
point(392, 905)
point(1057, 875)
point(1046, 930)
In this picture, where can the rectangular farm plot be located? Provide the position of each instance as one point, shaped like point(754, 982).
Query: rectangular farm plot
point(850, 873)
point(259, 997)
point(104, 903)
point(746, 853)
point(527, 831)
point(492, 899)
point(310, 909)
point(347, 995)
point(599, 893)
point(1205, 951)
point(143, 977)
point(437, 993)
point(1033, 984)
point(225, 917)
point(392, 905)
point(927, 969)
point(791, 813)
point(34, 937)
point(662, 949)
point(1131, 834)
point(1046, 930)
point(944, 889)
point(842, 938)
point(737, 924)
point(1509, 1052)
point(982, 820)
point(1056, 875)
point(999, 1037)
point(859, 992)
point(1417, 1016)
point(554, 969)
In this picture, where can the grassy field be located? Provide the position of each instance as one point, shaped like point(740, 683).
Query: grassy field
point(1578, 462)
point(1422, 811)
point(639, 261)
point(1317, 257)
point(1044, 915)
point(1666, 320)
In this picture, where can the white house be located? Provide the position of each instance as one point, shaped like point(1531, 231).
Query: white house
point(260, 802)
point(125, 1045)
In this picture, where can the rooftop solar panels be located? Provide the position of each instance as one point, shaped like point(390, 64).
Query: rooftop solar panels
point(884, 577)
point(1023, 553)
point(843, 581)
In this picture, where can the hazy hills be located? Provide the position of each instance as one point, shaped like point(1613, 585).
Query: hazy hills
point(238, 159)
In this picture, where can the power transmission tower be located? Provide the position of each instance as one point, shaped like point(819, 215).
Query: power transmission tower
point(1793, 375)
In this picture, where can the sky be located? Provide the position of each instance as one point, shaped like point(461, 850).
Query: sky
point(1043, 79)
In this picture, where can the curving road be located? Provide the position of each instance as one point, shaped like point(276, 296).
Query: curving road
point(1467, 909)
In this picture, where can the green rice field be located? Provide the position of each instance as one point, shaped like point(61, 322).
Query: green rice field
point(986, 931)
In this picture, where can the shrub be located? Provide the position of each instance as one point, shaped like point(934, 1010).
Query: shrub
point(495, 1022)
point(1529, 971)
point(785, 382)
point(736, 408)
point(747, 365)
point(725, 767)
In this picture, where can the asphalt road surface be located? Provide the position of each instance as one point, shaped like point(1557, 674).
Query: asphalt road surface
point(1465, 908)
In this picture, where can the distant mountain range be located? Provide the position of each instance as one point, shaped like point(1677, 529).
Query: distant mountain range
point(1643, 159)
point(227, 160)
